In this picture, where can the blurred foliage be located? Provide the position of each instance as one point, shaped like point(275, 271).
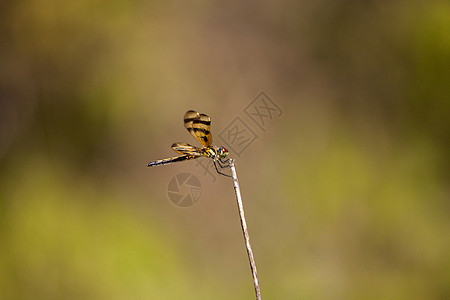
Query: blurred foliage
point(346, 194)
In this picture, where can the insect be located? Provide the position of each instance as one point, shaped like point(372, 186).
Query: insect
point(198, 125)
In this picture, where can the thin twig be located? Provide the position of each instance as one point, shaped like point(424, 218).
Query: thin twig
point(244, 229)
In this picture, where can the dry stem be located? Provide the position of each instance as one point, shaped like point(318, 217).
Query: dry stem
point(244, 229)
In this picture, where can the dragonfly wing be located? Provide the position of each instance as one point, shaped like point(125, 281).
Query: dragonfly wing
point(198, 125)
point(184, 148)
point(201, 126)
point(189, 118)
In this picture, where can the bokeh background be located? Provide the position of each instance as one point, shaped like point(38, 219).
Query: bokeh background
point(346, 194)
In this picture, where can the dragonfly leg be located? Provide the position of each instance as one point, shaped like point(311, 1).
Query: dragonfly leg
point(215, 165)
point(225, 163)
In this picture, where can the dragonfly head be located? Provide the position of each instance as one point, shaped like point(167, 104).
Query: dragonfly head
point(222, 152)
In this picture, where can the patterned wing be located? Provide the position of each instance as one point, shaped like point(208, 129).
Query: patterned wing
point(201, 126)
point(198, 125)
point(189, 118)
point(184, 148)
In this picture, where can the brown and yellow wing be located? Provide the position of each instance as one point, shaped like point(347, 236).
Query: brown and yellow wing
point(184, 148)
point(189, 118)
point(199, 126)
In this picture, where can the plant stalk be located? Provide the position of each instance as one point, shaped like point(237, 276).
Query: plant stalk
point(244, 229)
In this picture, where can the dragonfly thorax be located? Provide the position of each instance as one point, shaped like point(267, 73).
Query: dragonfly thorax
point(212, 152)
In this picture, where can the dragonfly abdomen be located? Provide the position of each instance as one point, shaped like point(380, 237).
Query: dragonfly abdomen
point(170, 160)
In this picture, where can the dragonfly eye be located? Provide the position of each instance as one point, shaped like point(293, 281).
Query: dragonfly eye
point(223, 152)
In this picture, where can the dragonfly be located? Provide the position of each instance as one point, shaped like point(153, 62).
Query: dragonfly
point(199, 126)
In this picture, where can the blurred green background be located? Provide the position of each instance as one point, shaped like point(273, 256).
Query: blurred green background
point(346, 194)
